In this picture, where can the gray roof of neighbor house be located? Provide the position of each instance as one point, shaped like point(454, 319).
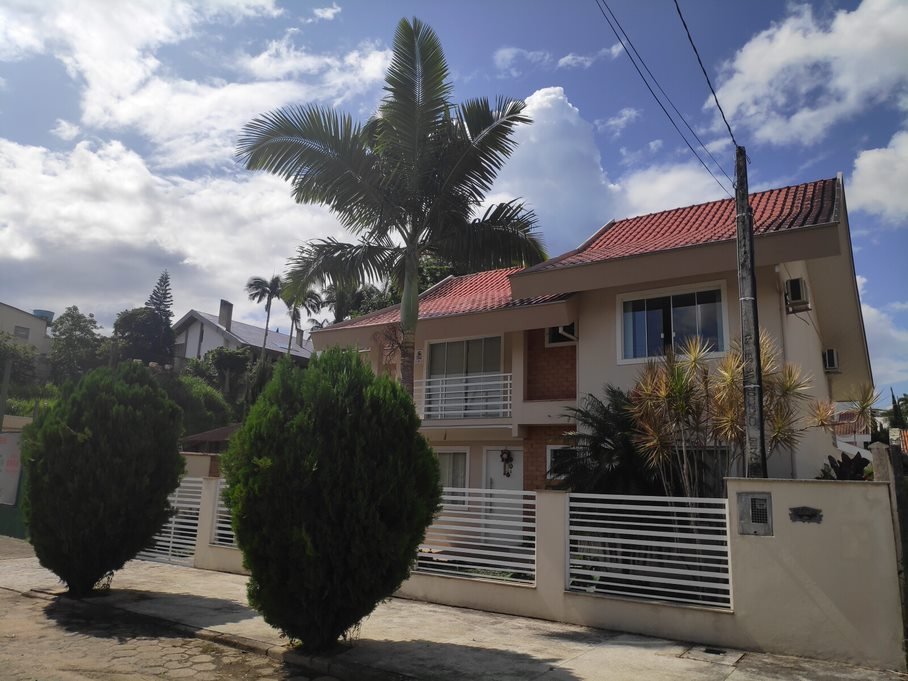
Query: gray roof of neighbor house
point(247, 334)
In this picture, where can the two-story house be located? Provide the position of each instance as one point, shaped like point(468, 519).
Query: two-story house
point(501, 354)
point(196, 333)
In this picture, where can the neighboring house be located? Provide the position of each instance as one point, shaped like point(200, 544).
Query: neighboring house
point(501, 354)
point(27, 327)
point(198, 332)
point(847, 431)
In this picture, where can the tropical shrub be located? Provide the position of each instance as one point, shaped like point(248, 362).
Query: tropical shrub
point(845, 468)
point(99, 467)
point(606, 459)
point(689, 413)
point(331, 488)
point(203, 407)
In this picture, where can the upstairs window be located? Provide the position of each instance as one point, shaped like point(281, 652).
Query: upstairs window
point(652, 325)
point(462, 358)
point(21, 332)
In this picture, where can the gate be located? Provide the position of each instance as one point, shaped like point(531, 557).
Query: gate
point(175, 542)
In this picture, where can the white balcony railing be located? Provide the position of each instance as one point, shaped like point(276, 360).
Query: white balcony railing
point(464, 397)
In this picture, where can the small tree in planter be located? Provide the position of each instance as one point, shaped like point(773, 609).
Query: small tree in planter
point(332, 488)
point(100, 465)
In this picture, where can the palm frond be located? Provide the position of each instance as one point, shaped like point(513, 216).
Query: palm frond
point(506, 235)
point(487, 140)
point(324, 156)
point(418, 93)
point(325, 261)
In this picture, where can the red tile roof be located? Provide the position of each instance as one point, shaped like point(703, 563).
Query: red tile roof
point(813, 203)
point(470, 293)
point(845, 424)
point(776, 210)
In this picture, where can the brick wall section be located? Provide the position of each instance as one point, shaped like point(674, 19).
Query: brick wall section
point(551, 373)
point(537, 438)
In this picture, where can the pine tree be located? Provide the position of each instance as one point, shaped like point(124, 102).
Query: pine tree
point(897, 420)
point(161, 300)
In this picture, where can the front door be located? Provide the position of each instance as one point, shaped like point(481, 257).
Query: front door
point(504, 475)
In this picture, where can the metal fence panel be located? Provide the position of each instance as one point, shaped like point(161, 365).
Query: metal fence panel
point(175, 543)
point(482, 534)
point(671, 549)
point(222, 532)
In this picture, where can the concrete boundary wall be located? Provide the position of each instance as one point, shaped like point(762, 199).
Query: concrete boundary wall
point(825, 590)
point(208, 556)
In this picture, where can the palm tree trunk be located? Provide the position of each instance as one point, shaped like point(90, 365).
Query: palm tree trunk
point(290, 342)
point(409, 313)
point(267, 323)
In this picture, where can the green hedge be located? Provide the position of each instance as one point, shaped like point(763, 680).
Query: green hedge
point(99, 467)
point(332, 488)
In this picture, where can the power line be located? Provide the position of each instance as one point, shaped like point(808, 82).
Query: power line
point(705, 74)
point(665, 94)
point(600, 4)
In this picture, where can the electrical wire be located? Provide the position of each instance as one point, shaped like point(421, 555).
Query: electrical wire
point(665, 94)
point(705, 74)
point(600, 4)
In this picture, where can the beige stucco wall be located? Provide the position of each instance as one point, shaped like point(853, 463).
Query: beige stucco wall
point(208, 556)
point(801, 337)
point(11, 317)
point(827, 590)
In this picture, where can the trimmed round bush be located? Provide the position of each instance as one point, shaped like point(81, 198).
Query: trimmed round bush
point(100, 464)
point(331, 487)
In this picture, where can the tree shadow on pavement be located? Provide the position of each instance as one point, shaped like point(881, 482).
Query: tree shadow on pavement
point(421, 659)
point(112, 613)
point(79, 617)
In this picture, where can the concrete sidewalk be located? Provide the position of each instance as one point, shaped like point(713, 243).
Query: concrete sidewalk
point(413, 640)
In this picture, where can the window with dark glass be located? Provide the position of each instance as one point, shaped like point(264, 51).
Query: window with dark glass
point(651, 326)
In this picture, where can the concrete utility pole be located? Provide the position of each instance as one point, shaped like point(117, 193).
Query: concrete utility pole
point(750, 324)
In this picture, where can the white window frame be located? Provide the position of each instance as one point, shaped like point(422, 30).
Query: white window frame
point(548, 460)
point(621, 298)
point(567, 342)
point(457, 450)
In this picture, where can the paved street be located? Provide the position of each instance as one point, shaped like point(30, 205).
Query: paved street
point(40, 641)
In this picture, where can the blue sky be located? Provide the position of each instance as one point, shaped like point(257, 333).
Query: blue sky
point(118, 120)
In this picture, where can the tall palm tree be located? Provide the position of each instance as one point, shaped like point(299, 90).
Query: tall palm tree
point(297, 302)
point(409, 182)
point(260, 289)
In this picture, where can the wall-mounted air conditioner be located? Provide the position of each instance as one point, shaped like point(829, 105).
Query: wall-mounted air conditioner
point(796, 298)
point(831, 360)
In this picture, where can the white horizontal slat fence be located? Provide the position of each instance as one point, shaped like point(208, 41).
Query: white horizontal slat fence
point(464, 397)
point(650, 548)
point(175, 542)
point(482, 534)
point(222, 532)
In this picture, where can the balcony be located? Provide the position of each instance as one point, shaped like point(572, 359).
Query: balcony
point(474, 396)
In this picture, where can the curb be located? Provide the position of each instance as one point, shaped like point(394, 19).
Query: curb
point(311, 664)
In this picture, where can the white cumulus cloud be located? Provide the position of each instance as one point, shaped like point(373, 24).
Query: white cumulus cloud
point(584, 61)
point(511, 60)
point(324, 13)
point(615, 124)
point(879, 181)
point(793, 81)
point(100, 220)
point(65, 130)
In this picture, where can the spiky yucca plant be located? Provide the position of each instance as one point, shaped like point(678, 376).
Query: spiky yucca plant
point(688, 407)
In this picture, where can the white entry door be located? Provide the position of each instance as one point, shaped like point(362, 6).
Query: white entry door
point(501, 476)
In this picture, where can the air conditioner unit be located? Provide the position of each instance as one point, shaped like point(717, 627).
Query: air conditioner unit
point(831, 360)
point(796, 298)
